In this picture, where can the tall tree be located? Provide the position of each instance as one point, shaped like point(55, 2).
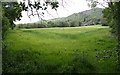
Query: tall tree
point(112, 15)
point(117, 23)
point(11, 11)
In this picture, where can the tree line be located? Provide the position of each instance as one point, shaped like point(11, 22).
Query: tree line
point(49, 24)
point(61, 23)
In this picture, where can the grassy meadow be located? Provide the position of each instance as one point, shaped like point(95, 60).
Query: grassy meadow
point(87, 49)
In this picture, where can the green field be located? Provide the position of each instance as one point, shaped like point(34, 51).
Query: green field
point(89, 49)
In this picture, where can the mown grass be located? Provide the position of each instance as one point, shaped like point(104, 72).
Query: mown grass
point(89, 49)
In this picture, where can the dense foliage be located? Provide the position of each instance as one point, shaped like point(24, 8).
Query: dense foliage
point(112, 16)
point(108, 15)
point(11, 11)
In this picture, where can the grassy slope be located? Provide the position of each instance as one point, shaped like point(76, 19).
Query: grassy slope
point(80, 49)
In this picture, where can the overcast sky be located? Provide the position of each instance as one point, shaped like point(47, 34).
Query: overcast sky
point(70, 7)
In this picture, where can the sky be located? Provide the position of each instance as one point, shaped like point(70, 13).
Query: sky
point(70, 7)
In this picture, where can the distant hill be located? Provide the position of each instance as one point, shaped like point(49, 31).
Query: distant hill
point(86, 17)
